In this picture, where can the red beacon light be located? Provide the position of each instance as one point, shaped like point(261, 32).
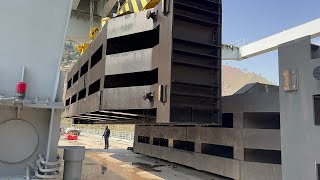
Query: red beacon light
point(21, 89)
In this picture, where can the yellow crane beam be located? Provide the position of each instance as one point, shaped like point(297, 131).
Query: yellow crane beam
point(134, 6)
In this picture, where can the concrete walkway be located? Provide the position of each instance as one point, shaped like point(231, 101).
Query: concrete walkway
point(117, 163)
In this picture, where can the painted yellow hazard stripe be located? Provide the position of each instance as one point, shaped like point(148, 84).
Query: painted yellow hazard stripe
point(130, 6)
point(135, 6)
point(127, 6)
point(122, 8)
point(144, 3)
point(151, 4)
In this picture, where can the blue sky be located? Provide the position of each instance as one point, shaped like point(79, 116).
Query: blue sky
point(255, 19)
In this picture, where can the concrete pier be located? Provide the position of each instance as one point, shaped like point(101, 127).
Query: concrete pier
point(246, 146)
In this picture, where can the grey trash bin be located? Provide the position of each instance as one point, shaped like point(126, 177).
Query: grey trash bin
point(73, 157)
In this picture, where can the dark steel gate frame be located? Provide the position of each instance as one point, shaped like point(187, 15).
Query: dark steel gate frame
point(188, 59)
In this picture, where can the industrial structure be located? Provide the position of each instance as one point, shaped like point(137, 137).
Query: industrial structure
point(246, 145)
point(144, 66)
point(30, 62)
point(162, 136)
point(299, 64)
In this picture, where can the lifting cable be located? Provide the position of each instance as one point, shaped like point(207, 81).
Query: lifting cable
point(91, 14)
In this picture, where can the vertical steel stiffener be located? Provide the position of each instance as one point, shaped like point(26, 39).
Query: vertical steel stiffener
point(161, 64)
point(196, 61)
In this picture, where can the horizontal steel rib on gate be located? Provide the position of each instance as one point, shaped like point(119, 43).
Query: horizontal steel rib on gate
point(126, 114)
point(117, 122)
point(95, 118)
point(92, 118)
point(107, 116)
point(100, 120)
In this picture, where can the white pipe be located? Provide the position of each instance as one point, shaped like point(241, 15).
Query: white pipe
point(23, 72)
point(42, 161)
point(27, 172)
point(43, 170)
point(54, 172)
point(55, 176)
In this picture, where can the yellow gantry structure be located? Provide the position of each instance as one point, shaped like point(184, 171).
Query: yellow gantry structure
point(134, 6)
point(129, 6)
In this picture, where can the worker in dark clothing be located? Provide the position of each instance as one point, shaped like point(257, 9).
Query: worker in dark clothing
point(106, 136)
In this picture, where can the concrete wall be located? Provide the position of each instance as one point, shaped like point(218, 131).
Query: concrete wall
point(260, 146)
point(246, 147)
point(299, 134)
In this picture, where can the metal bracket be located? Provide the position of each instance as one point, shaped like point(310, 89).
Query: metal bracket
point(18, 112)
point(165, 7)
point(152, 14)
point(162, 96)
point(290, 80)
point(148, 95)
point(19, 105)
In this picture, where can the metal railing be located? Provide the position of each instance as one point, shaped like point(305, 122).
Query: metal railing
point(116, 135)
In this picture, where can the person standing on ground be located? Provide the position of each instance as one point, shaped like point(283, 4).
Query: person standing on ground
point(106, 136)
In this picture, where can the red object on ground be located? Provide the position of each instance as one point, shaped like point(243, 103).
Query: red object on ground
point(21, 87)
point(74, 137)
point(70, 137)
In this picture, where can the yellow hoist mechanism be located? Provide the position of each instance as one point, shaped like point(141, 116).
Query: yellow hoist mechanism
point(128, 7)
point(92, 34)
point(134, 6)
point(82, 47)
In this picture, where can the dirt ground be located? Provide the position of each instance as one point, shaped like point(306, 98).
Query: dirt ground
point(117, 163)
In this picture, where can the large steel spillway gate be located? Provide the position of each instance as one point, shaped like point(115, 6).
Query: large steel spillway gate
point(160, 65)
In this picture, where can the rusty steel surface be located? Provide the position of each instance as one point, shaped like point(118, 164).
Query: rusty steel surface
point(165, 69)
